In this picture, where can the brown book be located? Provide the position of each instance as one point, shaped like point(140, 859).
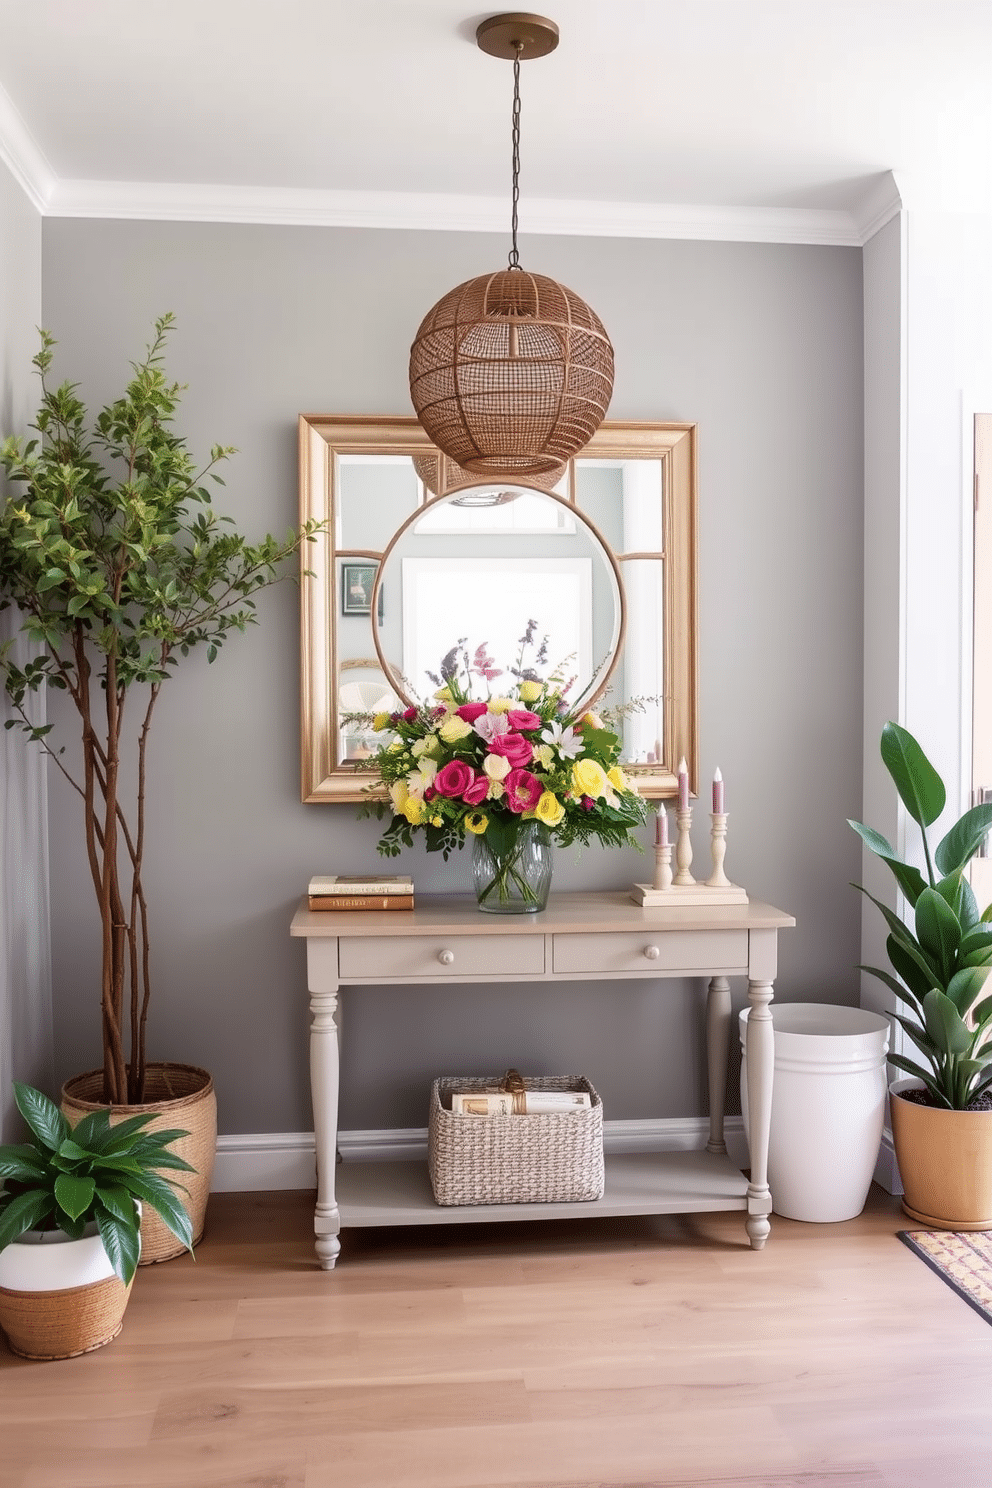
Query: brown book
point(360, 901)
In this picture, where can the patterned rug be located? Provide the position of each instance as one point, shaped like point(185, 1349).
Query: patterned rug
point(964, 1261)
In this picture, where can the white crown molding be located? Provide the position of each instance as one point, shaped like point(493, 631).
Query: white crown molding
point(176, 202)
point(283, 1160)
point(23, 156)
point(883, 202)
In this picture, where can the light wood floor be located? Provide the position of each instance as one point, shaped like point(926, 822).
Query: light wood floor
point(647, 1352)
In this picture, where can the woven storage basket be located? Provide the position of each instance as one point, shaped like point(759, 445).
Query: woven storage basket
point(179, 1095)
point(515, 1159)
point(60, 1325)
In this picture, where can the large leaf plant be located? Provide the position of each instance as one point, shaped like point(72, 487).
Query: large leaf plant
point(67, 1178)
point(940, 964)
point(119, 565)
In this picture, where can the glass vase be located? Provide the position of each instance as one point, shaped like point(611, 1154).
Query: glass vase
point(511, 866)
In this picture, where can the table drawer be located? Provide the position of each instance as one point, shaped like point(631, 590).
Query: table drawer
point(440, 957)
point(650, 950)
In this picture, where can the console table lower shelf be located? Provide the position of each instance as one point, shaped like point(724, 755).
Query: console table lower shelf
point(399, 1193)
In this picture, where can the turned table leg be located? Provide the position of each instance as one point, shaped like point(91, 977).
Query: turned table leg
point(760, 1067)
point(717, 1054)
point(324, 1094)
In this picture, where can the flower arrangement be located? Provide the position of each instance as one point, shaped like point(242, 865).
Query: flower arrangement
point(486, 766)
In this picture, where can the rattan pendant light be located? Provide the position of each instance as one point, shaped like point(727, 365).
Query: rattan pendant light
point(511, 373)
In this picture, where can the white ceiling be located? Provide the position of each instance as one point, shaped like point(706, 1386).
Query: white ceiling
point(650, 111)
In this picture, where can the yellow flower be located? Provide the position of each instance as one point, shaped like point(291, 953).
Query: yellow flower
point(496, 766)
point(476, 822)
point(397, 746)
point(398, 793)
point(454, 729)
point(496, 790)
point(593, 720)
point(589, 778)
point(380, 722)
point(544, 755)
point(530, 691)
point(435, 821)
point(549, 809)
point(413, 810)
point(443, 695)
point(617, 778)
point(500, 705)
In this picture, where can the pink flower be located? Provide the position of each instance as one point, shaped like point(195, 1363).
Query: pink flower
point(477, 791)
point(471, 711)
point(454, 779)
point(410, 715)
point(514, 747)
point(429, 793)
point(523, 718)
point(523, 790)
point(587, 803)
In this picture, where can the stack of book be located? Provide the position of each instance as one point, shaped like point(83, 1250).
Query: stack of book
point(375, 891)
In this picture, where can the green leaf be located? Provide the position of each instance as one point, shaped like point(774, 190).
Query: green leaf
point(21, 1162)
point(945, 1025)
point(161, 1196)
point(964, 839)
point(920, 1037)
point(121, 1242)
point(123, 1134)
point(920, 788)
point(894, 986)
point(908, 1067)
point(23, 1213)
point(976, 947)
point(72, 1150)
point(938, 930)
point(92, 1131)
point(909, 879)
point(42, 1116)
point(74, 1194)
point(965, 987)
point(918, 977)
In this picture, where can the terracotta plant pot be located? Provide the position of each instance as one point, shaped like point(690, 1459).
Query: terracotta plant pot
point(180, 1095)
point(59, 1297)
point(945, 1161)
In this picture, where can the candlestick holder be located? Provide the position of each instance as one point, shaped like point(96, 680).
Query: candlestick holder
point(718, 846)
point(662, 880)
point(683, 851)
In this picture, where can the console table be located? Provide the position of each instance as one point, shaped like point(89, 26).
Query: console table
point(579, 937)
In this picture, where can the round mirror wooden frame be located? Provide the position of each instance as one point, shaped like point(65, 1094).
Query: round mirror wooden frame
point(665, 566)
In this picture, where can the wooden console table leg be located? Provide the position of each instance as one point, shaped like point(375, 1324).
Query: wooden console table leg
point(760, 1068)
point(717, 1054)
point(324, 1059)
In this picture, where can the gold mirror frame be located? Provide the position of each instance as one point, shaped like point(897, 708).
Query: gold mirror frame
point(324, 438)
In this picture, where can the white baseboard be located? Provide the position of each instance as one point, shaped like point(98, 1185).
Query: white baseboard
point(263, 1161)
point(887, 1169)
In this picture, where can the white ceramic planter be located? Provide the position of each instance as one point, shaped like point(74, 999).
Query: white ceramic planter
point(48, 1261)
point(828, 1108)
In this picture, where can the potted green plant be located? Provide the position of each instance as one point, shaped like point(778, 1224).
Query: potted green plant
point(70, 1215)
point(942, 1114)
point(120, 567)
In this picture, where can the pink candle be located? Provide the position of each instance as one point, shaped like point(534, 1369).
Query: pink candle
point(683, 785)
point(661, 828)
point(718, 806)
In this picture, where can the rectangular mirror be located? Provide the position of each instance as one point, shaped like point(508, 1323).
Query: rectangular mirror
point(634, 484)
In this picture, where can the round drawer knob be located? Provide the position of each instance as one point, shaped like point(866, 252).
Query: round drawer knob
point(446, 957)
point(652, 952)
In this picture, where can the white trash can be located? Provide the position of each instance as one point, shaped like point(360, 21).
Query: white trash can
point(828, 1107)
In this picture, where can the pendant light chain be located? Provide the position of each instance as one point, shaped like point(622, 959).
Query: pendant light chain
point(514, 257)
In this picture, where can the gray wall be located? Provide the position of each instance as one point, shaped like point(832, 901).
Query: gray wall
point(762, 345)
point(25, 982)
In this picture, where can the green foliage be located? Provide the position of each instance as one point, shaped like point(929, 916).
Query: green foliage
point(940, 971)
point(119, 564)
point(66, 1178)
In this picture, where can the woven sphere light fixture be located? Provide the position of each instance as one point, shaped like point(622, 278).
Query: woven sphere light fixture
point(511, 373)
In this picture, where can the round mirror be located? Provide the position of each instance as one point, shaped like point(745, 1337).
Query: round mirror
point(496, 584)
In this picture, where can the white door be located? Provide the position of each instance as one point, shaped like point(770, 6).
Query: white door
point(981, 874)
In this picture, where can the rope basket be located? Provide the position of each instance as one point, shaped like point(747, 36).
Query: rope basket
point(180, 1095)
point(553, 1159)
point(511, 374)
point(62, 1324)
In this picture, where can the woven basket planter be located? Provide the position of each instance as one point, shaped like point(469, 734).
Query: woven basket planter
point(180, 1095)
point(555, 1159)
point(60, 1325)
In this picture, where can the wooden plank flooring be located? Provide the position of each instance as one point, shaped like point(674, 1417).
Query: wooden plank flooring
point(595, 1354)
